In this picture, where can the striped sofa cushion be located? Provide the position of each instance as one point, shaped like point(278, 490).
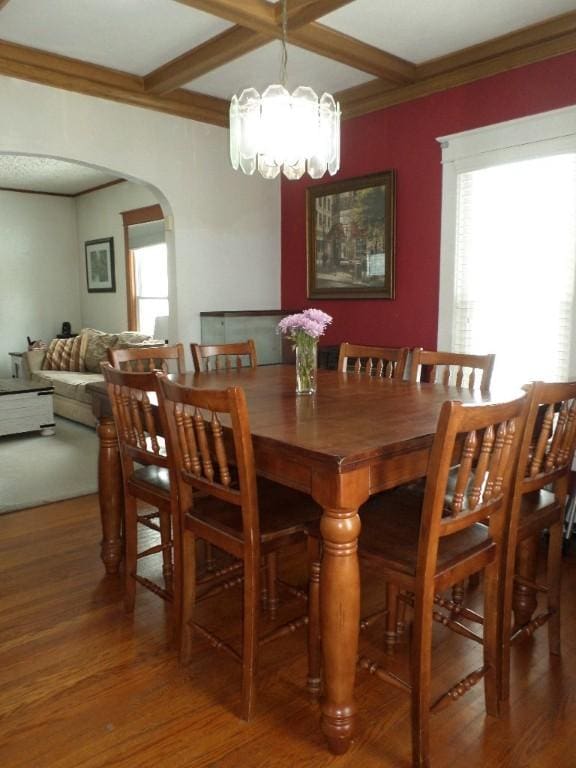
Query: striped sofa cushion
point(64, 355)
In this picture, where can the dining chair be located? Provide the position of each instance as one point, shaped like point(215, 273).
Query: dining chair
point(538, 504)
point(215, 357)
point(451, 368)
point(146, 358)
point(145, 475)
point(386, 362)
point(426, 543)
point(222, 502)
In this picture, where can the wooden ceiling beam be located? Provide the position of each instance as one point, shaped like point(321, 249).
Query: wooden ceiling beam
point(253, 14)
point(348, 50)
point(376, 94)
point(513, 41)
point(219, 50)
point(301, 12)
point(73, 75)
point(302, 32)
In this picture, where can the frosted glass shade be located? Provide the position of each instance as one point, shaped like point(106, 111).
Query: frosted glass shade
point(278, 131)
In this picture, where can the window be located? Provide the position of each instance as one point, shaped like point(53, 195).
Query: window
point(146, 268)
point(151, 285)
point(509, 258)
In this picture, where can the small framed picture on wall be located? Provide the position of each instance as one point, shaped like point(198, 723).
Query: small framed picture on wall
point(100, 275)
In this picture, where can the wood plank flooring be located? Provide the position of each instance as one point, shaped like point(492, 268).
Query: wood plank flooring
point(83, 685)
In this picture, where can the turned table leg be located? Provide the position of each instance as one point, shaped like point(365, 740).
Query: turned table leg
point(524, 599)
point(111, 494)
point(340, 604)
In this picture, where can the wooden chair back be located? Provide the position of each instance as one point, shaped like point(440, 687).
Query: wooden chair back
point(451, 368)
point(386, 362)
point(550, 439)
point(138, 423)
point(204, 458)
point(538, 503)
point(215, 357)
point(142, 359)
point(469, 478)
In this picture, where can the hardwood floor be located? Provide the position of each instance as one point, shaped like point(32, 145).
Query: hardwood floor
point(83, 685)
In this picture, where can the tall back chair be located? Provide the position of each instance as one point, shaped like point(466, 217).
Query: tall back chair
point(386, 362)
point(222, 502)
point(141, 359)
point(145, 474)
point(539, 500)
point(426, 544)
point(215, 357)
point(460, 370)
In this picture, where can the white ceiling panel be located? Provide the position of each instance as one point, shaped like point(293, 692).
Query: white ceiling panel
point(45, 174)
point(419, 30)
point(262, 67)
point(134, 36)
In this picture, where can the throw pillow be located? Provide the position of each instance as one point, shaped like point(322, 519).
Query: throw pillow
point(64, 355)
point(129, 338)
point(97, 342)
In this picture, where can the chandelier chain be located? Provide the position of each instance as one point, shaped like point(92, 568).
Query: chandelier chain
point(284, 65)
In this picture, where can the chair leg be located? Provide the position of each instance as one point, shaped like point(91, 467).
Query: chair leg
point(420, 663)
point(391, 630)
point(458, 591)
point(492, 645)
point(314, 638)
point(209, 559)
point(166, 540)
point(505, 630)
point(554, 568)
point(272, 601)
point(177, 578)
point(188, 541)
point(131, 550)
point(250, 635)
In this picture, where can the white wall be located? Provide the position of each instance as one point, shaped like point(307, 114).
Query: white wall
point(226, 226)
point(98, 216)
point(38, 270)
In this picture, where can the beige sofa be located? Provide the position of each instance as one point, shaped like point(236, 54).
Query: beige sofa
point(70, 397)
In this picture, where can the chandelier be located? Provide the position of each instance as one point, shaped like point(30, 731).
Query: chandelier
point(281, 131)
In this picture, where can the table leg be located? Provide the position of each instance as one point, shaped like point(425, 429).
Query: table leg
point(524, 600)
point(111, 494)
point(340, 604)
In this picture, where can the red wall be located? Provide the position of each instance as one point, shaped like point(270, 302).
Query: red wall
point(404, 138)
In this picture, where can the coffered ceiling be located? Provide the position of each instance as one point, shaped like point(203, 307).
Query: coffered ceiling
point(187, 57)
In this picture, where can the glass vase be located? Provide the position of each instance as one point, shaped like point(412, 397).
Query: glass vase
point(306, 365)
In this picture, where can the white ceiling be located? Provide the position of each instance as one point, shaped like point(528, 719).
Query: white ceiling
point(45, 174)
point(139, 36)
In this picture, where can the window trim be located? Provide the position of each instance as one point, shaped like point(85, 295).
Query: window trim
point(547, 133)
point(135, 216)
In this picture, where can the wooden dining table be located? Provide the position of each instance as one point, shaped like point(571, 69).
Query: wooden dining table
point(356, 436)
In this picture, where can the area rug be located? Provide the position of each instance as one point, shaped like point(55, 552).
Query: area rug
point(37, 470)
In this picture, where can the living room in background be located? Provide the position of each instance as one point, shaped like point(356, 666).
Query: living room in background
point(146, 267)
point(509, 247)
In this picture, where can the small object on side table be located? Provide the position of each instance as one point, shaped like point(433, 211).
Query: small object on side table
point(16, 364)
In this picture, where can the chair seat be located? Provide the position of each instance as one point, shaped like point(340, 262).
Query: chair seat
point(283, 512)
point(391, 528)
point(538, 510)
point(157, 477)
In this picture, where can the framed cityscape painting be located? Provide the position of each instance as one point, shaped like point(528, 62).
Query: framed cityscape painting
point(351, 242)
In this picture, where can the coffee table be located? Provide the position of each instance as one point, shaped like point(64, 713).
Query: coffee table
point(25, 406)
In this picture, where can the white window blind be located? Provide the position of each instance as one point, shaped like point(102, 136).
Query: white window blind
point(514, 270)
